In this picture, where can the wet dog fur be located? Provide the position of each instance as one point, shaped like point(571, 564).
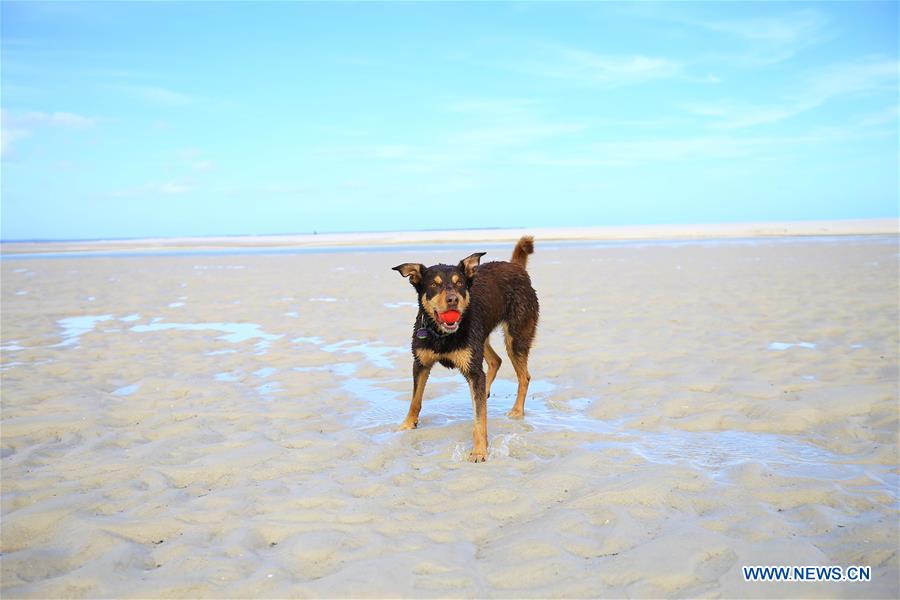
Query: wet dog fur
point(486, 296)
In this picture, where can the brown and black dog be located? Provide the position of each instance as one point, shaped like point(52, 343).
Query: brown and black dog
point(459, 307)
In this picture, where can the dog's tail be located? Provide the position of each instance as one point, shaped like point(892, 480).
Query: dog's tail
point(522, 250)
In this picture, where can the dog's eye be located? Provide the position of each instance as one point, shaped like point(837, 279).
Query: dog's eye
point(434, 284)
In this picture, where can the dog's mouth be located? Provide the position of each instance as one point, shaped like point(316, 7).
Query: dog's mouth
point(449, 320)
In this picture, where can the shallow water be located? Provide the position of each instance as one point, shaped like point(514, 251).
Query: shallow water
point(234, 332)
point(126, 390)
point(75, 327)
point(447, 401)
point(789, 345)
point(376, 353)
point(712, 452)
point(715, 452)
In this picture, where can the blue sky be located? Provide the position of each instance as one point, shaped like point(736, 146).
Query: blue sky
point(165, 119)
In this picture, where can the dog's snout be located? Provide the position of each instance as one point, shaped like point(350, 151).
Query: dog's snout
point(452, 300)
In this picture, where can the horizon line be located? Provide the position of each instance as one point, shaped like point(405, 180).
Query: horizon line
point(312, 242)
point(598, 229)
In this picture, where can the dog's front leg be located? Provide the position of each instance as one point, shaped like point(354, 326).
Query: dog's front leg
point(476, 381)
point(420, 376)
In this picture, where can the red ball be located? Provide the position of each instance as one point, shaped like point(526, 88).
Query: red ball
point(450, 317)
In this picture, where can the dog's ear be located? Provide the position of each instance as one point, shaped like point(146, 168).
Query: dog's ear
point(411, 270)
point(470, 263)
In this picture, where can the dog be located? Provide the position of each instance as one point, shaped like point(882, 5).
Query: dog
point(459, 307)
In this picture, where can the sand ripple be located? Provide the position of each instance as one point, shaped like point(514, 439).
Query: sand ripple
point(208, 426)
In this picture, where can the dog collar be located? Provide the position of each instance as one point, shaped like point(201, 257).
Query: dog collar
point(425, 329)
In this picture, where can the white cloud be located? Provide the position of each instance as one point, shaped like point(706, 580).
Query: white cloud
point(278, 188)
point(792, 30)
point(390, 151)
point(484, 138)
point(202, 165)
point(698, 149)
point(729, 115)
point(811, 91)
point(851, 77)
point(155, 94)
point(636, 152)
point(8, 137)
point(472, 130)
point(173, 188)
point(765, 40)
point(887, 116)
point(18, 125)
point(490, 127)
point(492, 106)
point(193, 159)
point(165, 188)
point(589, 68)
point(62, 119)
point(34, 118)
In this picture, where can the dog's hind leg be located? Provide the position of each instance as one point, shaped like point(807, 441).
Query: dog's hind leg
point(493, 361)
point(518, 344)
point(420, 376)
point(520, 364)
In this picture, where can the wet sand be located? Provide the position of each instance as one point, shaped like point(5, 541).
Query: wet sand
point(224, 426)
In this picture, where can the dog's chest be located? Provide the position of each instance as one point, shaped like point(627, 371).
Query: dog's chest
point(456, 359)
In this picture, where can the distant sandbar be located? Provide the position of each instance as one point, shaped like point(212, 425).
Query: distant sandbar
point(607, 233)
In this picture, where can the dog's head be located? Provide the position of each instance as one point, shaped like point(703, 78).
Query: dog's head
point(443, 290)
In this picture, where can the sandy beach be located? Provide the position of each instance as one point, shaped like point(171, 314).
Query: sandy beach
point(224, 425)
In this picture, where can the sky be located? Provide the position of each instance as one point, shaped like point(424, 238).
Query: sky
point(133, 119)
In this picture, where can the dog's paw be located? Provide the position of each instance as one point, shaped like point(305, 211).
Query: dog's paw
point(477, 457)
point(408, 424)
point(516, 414)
